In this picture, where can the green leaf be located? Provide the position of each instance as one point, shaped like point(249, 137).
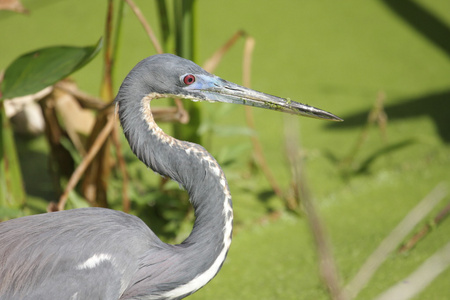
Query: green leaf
point(36, 70)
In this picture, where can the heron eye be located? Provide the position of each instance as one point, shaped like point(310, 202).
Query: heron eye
point(189, 79)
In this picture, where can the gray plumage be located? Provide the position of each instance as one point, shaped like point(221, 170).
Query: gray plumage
point(97, 253)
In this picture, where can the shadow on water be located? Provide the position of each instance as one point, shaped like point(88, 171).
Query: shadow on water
point(436, 106)
point(423, 21)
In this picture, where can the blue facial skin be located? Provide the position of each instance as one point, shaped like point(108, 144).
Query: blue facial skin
point(215, 89)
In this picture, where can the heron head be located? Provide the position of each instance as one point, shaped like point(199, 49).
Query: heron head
point(173, 76)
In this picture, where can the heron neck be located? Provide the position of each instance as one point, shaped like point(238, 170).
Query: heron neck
point(190, 165)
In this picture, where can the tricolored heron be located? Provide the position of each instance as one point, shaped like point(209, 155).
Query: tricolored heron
point(98, 253)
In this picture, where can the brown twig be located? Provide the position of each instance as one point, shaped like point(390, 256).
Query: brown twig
point(416, 282)
point(211, 64)
point(107, 85)
point(258, 150)
point(327, 265)
point(123, 169)
point(76, 175)
point(146, 26)
point(95, 180)
point(293, 197)
point(61, 157)
point(67, 108)
point(85, 100)
point(376, 115)
point(388, 245)
point(425, 229)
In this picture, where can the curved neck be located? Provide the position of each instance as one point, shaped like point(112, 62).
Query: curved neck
point(198, 172)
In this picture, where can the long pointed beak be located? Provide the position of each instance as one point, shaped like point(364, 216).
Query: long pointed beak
point(220, 90)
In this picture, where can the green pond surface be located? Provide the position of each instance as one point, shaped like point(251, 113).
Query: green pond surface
point(335, 55)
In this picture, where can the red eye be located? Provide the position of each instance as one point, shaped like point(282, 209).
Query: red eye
point(189, 79)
